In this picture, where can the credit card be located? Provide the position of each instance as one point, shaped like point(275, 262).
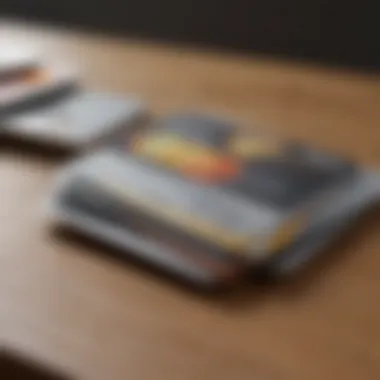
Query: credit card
point(76, 121)
point(35, 87)
point(15, 61)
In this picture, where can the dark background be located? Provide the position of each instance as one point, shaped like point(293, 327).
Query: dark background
point(329, 31)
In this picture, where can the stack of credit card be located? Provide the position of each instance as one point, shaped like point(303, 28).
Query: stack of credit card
point(43, 103)
point(26, 81)
point(212, 202)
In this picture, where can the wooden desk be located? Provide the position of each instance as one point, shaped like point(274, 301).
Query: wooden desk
point(101, 319)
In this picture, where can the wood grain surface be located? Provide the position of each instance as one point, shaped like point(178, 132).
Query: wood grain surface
point(99, 318)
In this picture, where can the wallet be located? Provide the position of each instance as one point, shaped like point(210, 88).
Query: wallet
point(212, 202)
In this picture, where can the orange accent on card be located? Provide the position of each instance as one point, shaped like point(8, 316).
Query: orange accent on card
point(191, 159)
